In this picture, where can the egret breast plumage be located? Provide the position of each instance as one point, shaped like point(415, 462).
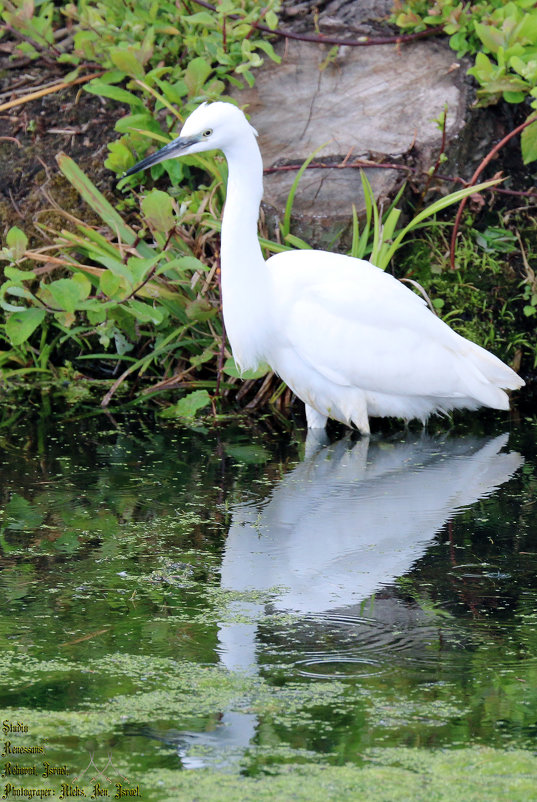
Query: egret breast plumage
point(349, 339)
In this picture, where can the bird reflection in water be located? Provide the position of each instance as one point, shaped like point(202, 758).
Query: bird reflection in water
point(345, 523)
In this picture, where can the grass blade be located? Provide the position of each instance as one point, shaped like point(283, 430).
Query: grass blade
point(95, 199)
point(286, 225)
point(437, 206)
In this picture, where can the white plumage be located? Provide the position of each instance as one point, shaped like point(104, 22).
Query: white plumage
point(352, 517)
point(349, 339)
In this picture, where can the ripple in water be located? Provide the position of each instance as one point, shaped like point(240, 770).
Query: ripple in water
point(345, 667)
point(380, 647)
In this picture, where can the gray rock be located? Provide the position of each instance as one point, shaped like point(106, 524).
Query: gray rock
point(342, 17)
point(377, 103)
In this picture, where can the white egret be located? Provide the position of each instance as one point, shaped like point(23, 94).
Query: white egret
point(349, 339)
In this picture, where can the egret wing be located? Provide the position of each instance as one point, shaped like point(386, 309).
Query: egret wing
point(358, 326)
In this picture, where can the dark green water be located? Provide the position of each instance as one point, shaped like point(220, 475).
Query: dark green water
point(222, 613)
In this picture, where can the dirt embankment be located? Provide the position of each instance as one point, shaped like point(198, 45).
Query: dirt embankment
point(32, 191)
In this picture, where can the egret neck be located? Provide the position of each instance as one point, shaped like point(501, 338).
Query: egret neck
point(246, 286)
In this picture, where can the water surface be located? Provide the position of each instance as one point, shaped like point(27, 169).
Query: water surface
point(235, 604)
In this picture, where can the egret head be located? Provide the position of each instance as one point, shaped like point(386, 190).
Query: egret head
point(212, 126)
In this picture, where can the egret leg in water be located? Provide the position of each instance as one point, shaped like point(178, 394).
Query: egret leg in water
point(349, 339)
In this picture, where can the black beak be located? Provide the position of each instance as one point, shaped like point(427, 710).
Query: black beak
point(170, 151)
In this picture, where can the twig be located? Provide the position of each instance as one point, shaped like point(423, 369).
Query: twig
point(41, 49)
point(49, 90)
point(357, 163)
point(45, 168)
point(221, 353)
point(108, 396)
point(10, 139)
point(21, 87)
point(363, 41)
point(264, 390)
point(245, 387)
point(150, 274)
point(361, 163)
point(422, 291)
point(490, 155)
point(14, 204)
point(167, 384)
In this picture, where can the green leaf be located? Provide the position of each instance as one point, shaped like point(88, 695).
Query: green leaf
point(296, 242)
point(200, 359)
point(95, 199)
point(123, 346)
point(483, 66)
point(492, 38)
point(17, 241)
point(528, 70)
point(114, 93)
point(231, 369)
point(251, 454)
point(528, 143)
point(181, 264)
point(248, 76)
point(173, 92)
point(269, 50)
point(200, 309)
point(21, 325)
point(390, 223)
point(157, 208)
point(196, 74)
point(526, 28)
point(141, 120)
point(96, 242)
point(125, 59)
point(18, 275)
point(201, 18)
point(17, 291)
point(119, 157)
point(109, 283)
point(20, 515)
point(429, 211)
point(111, 77)
point(188, 406)
point(144, 313)
point(271, 19)
point(141, 267)
point(96, 315)
point(84, 284)
point(355, 245)
point(514, 97)
point(115, 266)
point(67, 293)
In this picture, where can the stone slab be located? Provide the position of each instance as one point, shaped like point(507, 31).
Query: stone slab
point(375, 102)
point(342, 17)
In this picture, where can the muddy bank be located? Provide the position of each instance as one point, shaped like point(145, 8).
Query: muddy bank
point(33, 193)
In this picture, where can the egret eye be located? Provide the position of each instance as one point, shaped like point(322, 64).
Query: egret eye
point(207, 133)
